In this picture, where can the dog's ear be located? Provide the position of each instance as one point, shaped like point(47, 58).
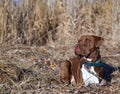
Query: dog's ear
point(98, 41)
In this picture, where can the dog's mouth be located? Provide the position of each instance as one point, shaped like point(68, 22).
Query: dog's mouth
point(77, 49)
point(80, 51)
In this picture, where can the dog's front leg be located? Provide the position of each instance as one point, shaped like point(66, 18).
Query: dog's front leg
point(79, 77)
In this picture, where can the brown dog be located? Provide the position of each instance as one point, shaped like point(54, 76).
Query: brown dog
point(87, 49)
point(88, 46)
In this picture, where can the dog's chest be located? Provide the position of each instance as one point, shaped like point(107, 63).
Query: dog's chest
point(89, 76)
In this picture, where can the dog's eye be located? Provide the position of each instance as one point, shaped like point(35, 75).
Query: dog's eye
point(79, 41)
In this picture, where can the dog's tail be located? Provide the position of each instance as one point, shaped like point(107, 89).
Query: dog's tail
point(117, 68)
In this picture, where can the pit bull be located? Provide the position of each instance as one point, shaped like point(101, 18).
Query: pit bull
point(87, 66)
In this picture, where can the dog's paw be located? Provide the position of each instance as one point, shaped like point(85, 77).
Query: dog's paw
point(103, 83)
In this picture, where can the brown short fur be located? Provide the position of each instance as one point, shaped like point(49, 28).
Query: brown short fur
point(86, 44)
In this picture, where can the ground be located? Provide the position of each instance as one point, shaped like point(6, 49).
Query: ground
point(43, 77)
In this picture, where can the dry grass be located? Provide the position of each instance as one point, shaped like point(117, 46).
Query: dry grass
point(35, 32)
point(43, 72)
point(37, 22)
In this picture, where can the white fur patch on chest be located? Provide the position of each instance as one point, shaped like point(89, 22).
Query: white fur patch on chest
point(89, 78)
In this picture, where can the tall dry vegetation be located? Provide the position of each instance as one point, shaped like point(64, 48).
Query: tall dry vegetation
point(56, 22)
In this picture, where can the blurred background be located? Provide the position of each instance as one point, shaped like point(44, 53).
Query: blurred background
point(58, 22)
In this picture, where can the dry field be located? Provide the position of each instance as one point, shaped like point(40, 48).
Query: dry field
point(36, 35)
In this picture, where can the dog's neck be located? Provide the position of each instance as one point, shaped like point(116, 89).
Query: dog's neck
point(94, 55)
point(96, 63)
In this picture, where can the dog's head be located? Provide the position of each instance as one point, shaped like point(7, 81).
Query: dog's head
point(87, 43)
